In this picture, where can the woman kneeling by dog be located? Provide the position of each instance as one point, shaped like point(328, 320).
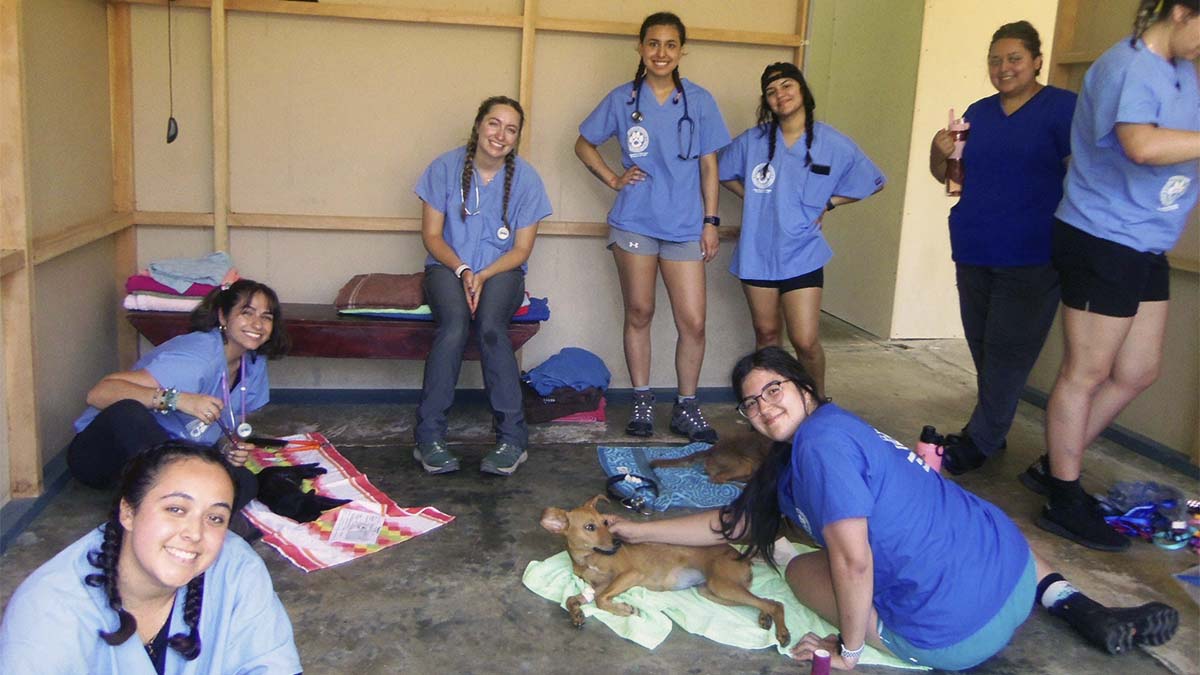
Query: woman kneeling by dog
point(912, 563)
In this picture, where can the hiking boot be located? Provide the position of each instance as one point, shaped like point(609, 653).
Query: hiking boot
point(641, 421)
point(960, 454)
point(435, 457)
point(1079, 521)
point(687, 420)
point(504, 460)
point(1153, 623)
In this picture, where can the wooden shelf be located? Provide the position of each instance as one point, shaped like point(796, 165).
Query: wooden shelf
point(11, 260)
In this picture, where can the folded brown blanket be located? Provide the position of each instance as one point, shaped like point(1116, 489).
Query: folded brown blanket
point(382, 291)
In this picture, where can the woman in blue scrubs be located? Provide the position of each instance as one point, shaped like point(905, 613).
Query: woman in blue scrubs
point(789, 170)
point(1135, 142)
point(1015, 161)
point(481, 209)
point(665, 215)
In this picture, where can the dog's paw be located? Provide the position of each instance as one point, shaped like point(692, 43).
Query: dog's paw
point(622, 609)
point(764, 621)
point(577, 618)
point(783, 636)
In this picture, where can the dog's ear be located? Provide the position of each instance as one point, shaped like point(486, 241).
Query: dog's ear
point(554, 520)
point(591, 503)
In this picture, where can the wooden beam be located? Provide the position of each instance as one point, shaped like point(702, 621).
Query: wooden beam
point(220, 128)
point(120, 105)
point(11, 260)
point(172, 219)
point(698, 34)
point(1077, 57)
point(1065, 23)
point(51, 246)
point(350, 11)
point(525, 87)
point(20, 417)
point(802, 8)
point(271, 221)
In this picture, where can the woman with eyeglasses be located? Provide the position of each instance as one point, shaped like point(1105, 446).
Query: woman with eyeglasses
point(789, 171)
point(665, 215)
point(481, 206)
point(911, 563)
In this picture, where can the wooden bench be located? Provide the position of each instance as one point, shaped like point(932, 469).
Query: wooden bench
point(318, 330)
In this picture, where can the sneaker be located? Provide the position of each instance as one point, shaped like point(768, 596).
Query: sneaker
point(1079, 522)
point(504, 460)
point(435, 457)
point(961, 455)
point(1153, 623)
point(641, 421)
point(687, 420)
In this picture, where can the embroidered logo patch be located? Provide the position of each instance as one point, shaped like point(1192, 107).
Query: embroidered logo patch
point(1171, 191)
point(637, 139)
point(762, 183)
point(802, 521)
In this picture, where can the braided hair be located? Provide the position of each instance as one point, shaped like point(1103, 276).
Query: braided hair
point(657, 19)
point(1150, 11)
point(137, 478)
point(510, 160)
point(222, 300)
point(754, 516)
point(768, 121)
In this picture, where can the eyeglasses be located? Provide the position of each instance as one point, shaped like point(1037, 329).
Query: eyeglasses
point(750, 407)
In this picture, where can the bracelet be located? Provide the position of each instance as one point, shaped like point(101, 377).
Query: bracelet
point(850, 654)
point(829, 205)
point(458, 271)
point(712, 220)
point(169, 401)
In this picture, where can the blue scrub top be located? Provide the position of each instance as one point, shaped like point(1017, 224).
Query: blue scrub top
point(476, 239)
point(668, 204)
point(945, 561)
point(780, 238)
point(195, 363)
point(1107, 195)
point(50, 624)
point(1014, 168)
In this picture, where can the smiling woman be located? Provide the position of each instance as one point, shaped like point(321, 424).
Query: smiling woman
point(188, 388)
point(163, 562)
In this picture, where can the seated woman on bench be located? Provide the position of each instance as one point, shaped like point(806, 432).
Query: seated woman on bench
point(479, 233)
point(187, 388)
point(912, 563)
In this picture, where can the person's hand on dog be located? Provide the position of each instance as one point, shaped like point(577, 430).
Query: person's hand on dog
point(803, 651)
point(622, 528)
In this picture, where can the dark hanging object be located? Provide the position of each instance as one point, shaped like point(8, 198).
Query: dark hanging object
point(172, 125)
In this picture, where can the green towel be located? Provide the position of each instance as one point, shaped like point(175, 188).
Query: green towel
point(555, 580)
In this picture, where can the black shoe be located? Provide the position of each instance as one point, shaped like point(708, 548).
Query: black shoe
point(1098, 624)
point(1153, 623)
point(1079, 522)
point(960, 455)
point(1037, 476)
point(641, 421)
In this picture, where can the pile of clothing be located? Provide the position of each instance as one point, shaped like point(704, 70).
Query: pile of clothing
point(178, 284)
point(567, 387)
point(402, 296)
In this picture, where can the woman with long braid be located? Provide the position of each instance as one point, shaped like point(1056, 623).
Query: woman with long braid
point(665, 216)
point(1135, 142)
point(479, 233)
point(164, 567)
point(789, 170)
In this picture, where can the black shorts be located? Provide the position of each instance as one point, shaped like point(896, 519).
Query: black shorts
point(813, 279)
point(1104, 277)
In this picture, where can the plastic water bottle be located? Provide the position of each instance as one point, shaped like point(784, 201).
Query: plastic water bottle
point(929, 447)
point(954, 168)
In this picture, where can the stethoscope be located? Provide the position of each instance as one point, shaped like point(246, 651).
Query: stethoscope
point(244, 429)
point(502, 233)
point(636, 101)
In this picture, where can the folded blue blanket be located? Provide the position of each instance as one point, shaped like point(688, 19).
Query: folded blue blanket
point(539, 310)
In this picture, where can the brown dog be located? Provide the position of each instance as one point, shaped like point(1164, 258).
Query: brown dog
point(732, 459)
point(613, 568)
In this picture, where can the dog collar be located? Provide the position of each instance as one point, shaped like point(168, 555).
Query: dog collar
point(608, 551)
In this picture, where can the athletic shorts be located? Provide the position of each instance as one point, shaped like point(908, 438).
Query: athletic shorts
point(1104, 277)
point(813, 279)
point(985, 642)
point(640, 244)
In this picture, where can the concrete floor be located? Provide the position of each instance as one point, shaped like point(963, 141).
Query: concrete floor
point(452, 600)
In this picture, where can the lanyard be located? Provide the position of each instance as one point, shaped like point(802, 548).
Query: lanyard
point(225, 395)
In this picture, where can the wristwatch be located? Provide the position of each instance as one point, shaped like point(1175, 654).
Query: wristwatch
point(712, 220)
point(850, 654)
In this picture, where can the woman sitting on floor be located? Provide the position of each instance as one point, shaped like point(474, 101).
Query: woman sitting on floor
point(187, 388)
point(163, 566)
point(913, 564)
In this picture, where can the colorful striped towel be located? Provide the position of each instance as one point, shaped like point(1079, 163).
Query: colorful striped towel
point(309, 545)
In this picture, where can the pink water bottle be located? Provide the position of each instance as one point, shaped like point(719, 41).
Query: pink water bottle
point(820, 662)
point(929, 448)
point(960, 128)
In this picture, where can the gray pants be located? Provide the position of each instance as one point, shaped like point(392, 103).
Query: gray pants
point(501, 296)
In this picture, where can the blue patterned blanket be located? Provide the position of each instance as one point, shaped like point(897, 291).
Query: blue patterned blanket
point(686, 486)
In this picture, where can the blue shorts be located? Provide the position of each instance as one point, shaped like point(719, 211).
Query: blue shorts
point(640, 244)
point(985, 642)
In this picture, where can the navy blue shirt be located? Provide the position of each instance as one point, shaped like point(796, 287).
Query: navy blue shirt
point(1014, 180)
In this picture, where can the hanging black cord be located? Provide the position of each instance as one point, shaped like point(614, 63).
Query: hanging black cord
point(172, 126)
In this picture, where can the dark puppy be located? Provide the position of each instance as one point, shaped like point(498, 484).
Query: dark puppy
point(612, 568)
point(734, 458)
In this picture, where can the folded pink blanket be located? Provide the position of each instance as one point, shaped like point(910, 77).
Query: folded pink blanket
point(382, 291)
point(142, 282)
point(154, 303)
